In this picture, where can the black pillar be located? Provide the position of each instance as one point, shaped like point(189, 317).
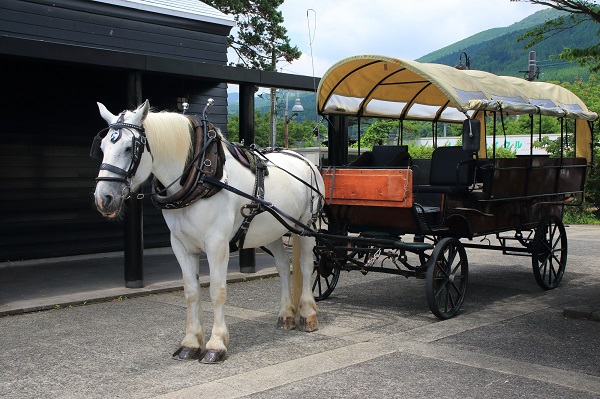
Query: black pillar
point(337, 151)
point(134, 244)
point(134, 220)
point(247, 256)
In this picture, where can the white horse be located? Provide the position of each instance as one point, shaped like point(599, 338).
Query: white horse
point(139, 143)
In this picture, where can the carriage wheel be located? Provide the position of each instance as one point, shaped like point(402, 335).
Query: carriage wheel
point(447, 277)
point(326, 276)
point(549, 256)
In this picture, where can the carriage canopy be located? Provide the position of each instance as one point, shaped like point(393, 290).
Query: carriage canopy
point(380, 86)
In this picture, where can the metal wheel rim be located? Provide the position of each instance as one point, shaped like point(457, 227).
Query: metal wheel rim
point(447, 278)
point(549, 257)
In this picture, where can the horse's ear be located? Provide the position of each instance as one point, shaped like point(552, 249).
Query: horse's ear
point(140, 113)
point(105, 114)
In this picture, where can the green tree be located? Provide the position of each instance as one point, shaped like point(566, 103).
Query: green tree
point(377, 132)
point(579, 12)
point(260, 40)
point(588, 92)
point(300, 132)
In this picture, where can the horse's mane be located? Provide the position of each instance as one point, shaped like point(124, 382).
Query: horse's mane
point(168, 134)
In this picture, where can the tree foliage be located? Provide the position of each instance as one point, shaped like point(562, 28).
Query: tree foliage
point(260, 39)
point(300, 132)
point(579, 11)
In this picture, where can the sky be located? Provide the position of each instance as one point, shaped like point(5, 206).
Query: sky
point(331, 30)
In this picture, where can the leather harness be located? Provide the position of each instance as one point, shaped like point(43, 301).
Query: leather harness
point(207, 163)
point(208, 160)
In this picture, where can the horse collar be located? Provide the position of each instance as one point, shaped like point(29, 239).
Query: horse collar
point(207, 160)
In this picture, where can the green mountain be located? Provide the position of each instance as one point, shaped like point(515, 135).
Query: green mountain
point(535, 19)
point(497, 50)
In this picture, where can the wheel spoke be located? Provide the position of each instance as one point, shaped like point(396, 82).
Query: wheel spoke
point(317, 282)
point(452, 254)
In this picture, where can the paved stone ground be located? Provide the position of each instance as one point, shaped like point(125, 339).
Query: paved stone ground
point(377, 339)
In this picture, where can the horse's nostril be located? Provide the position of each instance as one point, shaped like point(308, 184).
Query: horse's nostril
point(108, 199)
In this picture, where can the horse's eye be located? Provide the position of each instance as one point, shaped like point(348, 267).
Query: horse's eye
point(127, 149)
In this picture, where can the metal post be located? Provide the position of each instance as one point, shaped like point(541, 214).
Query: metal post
point(338, 140)
point(287, 122)
point(247, 256)
point(134, 221)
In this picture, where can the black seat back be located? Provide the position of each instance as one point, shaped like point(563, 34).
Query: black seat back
point(452, 166)
point(384, 156)
point(390, 155)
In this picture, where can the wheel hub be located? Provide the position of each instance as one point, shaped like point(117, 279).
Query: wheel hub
point(325, 266)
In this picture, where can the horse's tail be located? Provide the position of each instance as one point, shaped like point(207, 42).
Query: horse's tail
point(296, 272)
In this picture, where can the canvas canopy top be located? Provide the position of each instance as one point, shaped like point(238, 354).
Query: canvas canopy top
point(380, 86)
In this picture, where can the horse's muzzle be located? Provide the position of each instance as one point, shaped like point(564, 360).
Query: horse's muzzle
point(110, 202)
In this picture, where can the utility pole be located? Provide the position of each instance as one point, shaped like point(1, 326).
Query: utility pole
point(531, 71)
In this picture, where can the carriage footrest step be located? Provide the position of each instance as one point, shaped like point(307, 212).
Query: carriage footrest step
point(378, 234)
point(413, 246)
point(425, 216)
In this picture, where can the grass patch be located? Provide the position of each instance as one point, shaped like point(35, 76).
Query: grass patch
point(579, 215)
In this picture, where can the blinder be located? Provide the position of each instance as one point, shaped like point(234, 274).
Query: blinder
point(96, 150)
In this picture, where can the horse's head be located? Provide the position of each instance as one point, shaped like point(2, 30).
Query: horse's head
point(126, 158)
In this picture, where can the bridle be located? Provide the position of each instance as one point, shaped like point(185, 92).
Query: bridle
point(139, 144)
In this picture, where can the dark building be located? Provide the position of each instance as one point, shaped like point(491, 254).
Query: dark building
point(58, 58)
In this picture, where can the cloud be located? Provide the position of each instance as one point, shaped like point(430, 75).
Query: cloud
point(405, 29)
point(335, 29)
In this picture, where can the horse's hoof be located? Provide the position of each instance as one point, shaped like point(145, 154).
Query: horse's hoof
point(184, 353)
point(308, 324)
point(213, 357)
point(286, 323)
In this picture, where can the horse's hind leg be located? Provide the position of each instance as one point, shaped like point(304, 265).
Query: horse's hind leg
point(307, 307)
point(287, 311)
point(192, 345)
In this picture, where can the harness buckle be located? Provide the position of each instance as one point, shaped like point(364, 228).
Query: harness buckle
point(250, 208)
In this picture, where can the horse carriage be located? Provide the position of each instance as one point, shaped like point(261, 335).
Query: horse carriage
point(389, 213)
point(217, 196)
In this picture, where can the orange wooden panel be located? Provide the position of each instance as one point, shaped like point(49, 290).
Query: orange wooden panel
point(369, 187)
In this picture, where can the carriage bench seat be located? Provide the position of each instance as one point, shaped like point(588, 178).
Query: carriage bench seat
point(452, 171)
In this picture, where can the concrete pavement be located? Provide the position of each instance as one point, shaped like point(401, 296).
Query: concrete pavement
point(377, 338)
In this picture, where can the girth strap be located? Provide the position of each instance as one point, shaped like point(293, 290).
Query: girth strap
point(254, 208)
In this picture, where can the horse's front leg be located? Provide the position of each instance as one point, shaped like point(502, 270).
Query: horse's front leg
point(192, 345)
point(218, 258)
point(287, 311)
